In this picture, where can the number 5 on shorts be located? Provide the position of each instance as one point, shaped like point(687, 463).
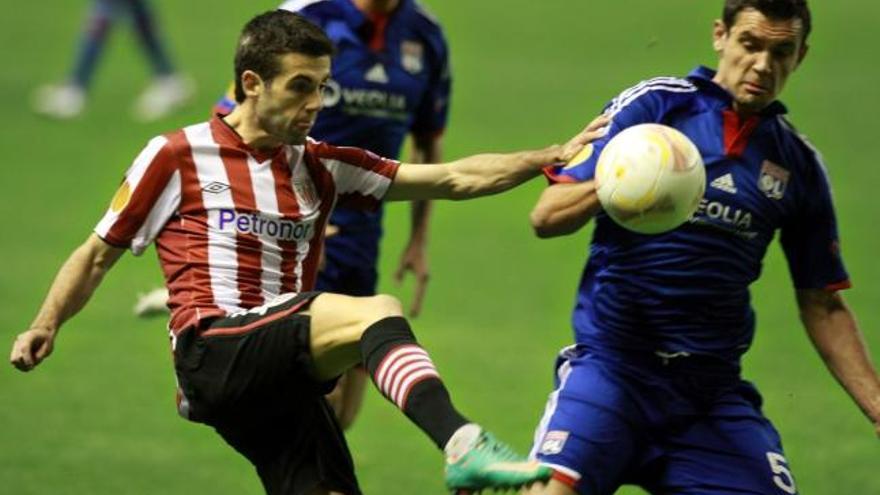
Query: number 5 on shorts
point(781, 475)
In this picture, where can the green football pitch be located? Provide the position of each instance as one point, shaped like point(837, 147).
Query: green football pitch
point(98, 417)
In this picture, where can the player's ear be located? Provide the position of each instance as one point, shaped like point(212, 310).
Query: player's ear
point(252, 84)
point(719, 35)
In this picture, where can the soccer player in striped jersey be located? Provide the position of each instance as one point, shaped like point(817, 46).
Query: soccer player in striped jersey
point(390, 78)
point(237, 208)
point(651, 392)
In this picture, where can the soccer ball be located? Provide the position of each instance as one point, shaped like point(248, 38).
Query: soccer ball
point(650, 178)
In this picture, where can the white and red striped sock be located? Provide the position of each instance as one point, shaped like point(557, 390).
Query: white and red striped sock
point(404, 373)
point(401, 369)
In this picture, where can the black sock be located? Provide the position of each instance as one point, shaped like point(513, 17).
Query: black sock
point(404, 374)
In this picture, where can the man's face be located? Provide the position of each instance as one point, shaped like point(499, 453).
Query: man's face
point(287, 105)
point(756, 56)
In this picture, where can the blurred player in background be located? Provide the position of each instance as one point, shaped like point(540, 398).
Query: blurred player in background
point(167, 91)
point(237, 208)
point(651, 392)
point(390, 78)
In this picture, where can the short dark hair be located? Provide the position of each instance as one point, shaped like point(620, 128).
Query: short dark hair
point(774, 9)
point(272, 34)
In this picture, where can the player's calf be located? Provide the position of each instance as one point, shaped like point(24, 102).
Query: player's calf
point(405, 374)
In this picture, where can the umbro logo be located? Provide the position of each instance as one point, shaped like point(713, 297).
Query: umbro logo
point(724, 183)
point(216, 188)
point(377, 74)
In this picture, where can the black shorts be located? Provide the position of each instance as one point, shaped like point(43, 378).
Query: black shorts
point(250, 376)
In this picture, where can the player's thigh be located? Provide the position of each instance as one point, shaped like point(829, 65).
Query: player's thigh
point(733, 450)
point(590, 432)
point(337, 324)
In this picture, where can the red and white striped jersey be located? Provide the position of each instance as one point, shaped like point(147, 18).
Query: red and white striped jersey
point(235, 227)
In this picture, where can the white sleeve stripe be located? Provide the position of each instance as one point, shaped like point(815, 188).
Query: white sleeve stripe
point(666, 81)
point(133, 176)
point(296, 5)
point(143, 161)
point(350, 178)
point(165, 206)
point(617, 108)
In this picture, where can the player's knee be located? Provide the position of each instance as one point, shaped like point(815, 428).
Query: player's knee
point(370, 310)
point(378, 307)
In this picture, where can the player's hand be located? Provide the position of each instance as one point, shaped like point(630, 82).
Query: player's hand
point(31, 348)
point(415, 260)
point(152, 303)
point(593, 131)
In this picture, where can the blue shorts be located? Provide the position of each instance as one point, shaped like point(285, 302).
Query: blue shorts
point(669, 426)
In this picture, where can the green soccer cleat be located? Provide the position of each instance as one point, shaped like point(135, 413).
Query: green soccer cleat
point(475, 461)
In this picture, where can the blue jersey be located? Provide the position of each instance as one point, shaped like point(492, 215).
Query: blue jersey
point(688, 290)
point(390, 77)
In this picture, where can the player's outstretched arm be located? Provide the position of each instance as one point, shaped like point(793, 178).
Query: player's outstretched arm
point(74, 284)
point(482, 175)
point(835, 334)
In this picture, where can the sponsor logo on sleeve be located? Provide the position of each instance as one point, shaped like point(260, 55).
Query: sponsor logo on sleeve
point(583, 155)
point(121, 198)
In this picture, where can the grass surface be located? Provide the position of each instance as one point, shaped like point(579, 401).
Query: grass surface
point(98, 416)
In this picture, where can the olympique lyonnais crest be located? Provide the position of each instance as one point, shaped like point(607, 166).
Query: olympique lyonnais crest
point(773, 180)
point(553, 442)
point(411, 56)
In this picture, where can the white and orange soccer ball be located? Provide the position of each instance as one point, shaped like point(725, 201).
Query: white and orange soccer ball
point(650, 178)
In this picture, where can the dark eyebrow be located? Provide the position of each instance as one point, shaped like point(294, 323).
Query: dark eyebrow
point(298, 78)
point(749, 36)
point(787, 45)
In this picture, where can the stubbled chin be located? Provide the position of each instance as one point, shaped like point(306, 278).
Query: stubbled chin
point(295, 138)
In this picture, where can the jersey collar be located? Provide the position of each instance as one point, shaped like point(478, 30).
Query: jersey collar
point(702, 77)
point(355, 18)
point(224, 134)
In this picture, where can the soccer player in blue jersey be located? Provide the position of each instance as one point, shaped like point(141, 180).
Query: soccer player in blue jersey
point(651, 393)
